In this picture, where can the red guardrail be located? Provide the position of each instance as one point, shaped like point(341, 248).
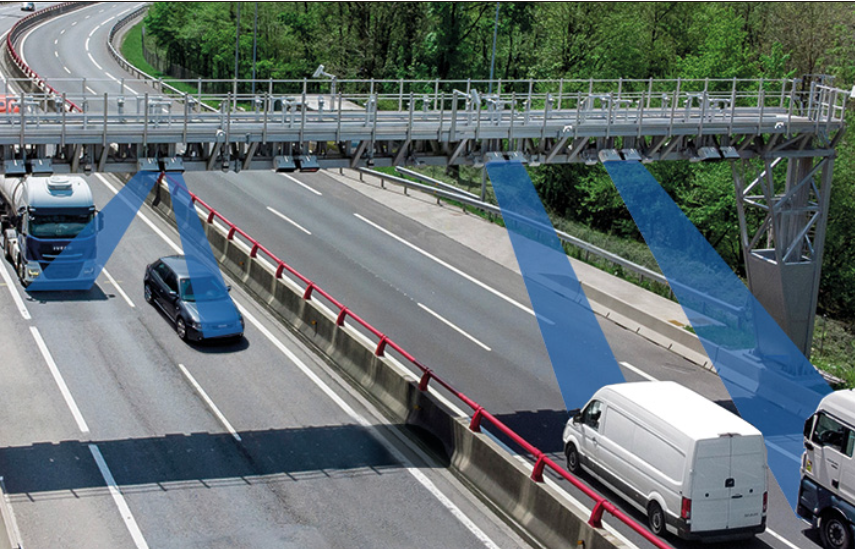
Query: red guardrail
point(542, 461)
point(19, 62)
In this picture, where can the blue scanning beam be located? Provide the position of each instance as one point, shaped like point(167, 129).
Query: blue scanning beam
point(84, 256)
point(581, 358)
point(772, 384)
point(206, 281)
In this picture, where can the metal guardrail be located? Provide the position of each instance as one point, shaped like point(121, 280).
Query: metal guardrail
point(718, 306)
point(25, 24)
point(384, 342)
point(642, 272)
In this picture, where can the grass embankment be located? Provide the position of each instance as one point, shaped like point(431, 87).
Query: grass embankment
point(132, 51)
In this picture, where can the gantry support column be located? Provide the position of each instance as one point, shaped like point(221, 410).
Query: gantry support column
point(783, 257)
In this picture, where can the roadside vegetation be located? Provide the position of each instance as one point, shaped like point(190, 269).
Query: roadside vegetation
point(561, 40)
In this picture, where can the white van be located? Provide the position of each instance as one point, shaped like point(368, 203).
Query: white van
point(827, 490)
point(696, 469)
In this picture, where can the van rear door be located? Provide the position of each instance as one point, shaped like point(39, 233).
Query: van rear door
point(710, 493)
point(748, 471)
point(728, 483)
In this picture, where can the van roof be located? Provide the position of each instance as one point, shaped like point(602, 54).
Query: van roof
point(685, 410)
point(840, 404)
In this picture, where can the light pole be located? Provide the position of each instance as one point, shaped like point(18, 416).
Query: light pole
point(493, 60)
point(237, 51)
point(254, 47)
point(321, 73)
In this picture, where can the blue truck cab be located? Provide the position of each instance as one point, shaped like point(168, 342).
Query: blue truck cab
point(48, 230)
point(827, 489)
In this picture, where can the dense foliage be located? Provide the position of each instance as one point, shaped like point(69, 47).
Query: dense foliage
point(453, 40)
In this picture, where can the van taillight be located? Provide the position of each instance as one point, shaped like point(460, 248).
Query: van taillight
point(686, 509)
point(765, 500)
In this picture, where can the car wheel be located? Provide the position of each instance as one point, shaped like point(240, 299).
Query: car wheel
point(835, 532)
point(149, 298)
point(181, 328)
point(656, 518)
point(572, 454)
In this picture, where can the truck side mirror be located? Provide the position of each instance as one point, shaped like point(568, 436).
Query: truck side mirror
point(808, 427)
point(100, 223)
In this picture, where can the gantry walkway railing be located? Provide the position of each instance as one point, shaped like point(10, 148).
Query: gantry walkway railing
point(307, 124)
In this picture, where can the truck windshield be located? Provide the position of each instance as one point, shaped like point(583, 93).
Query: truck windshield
point(205, 288)
point(61, 226)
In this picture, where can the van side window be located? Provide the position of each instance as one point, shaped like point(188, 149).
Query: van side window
point(591, 415)
point(850, 443)
point(830, 432)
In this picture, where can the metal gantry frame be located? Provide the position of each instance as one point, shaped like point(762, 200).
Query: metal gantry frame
point(294, 125)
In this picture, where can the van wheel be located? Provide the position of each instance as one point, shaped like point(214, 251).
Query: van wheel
point(656, 518)
point(572, 459)
point(835, 532)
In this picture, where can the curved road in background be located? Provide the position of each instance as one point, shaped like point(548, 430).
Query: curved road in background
point(481, 341)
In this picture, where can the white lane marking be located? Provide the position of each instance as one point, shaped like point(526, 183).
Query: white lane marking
point(74, 23)
point(289, 220)
point(452, 268)
point(118, 288)
point(87, 45)
point(16, 297)
point(140, 215)
point(298, 182)
point(57, 377)
point(105, 21)
point(769, 444)
point(66, 69)
point(91, 33)
point(454, 327)
point(55, 42)
point(209, 402)
point(56, 54)
point(782, 539)
point(418, 475)
point(62, 32)
point(110, 76)
point(100, 68)
point(118, 498)
point(643, 374)
point(93, 92)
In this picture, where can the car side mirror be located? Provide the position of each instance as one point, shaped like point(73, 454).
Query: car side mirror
point(228, 287)
point(100, 224)
point(173, 296)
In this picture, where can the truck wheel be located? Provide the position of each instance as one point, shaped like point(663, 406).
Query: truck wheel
point(835, 532)
point(572, 459)
point(22, 275)
point(656, 518)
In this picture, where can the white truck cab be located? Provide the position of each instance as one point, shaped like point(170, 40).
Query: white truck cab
point(827, 489)
point(696, 469)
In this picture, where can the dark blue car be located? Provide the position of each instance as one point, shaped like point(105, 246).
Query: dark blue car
point(201, 307)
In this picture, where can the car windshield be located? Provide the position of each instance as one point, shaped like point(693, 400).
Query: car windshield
point(205, 288)
point(61, 226)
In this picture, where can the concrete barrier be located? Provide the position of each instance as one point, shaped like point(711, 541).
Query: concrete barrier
point(8, 535)
point(543, 513)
